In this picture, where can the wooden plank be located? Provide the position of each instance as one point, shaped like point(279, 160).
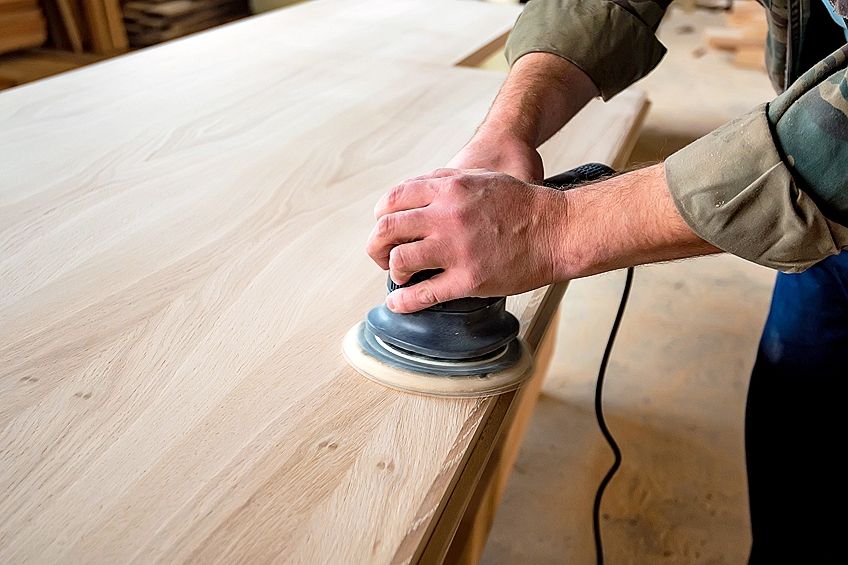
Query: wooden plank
point(14, 6)
point(142, 35)
point(158, 19)
point(21, 39)
point(97, 26)
point(70, 16)
point(26, 66)
point(175, 8)
point(186, 21)
point(149, 23)
point(734, 38)
point(180, 255)
point(746, 13)
point(22, 29)
point(750, 58)
point(56, 35)
point(115, 25)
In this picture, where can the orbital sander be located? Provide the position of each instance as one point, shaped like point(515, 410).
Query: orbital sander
point(467, 347)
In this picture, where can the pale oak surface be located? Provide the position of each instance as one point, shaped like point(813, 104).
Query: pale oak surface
point(181, 236)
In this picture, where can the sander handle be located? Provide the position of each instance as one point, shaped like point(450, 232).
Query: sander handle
point(590, 172)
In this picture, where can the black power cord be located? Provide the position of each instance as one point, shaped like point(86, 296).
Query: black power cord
point(602, 424)
point(591, 172)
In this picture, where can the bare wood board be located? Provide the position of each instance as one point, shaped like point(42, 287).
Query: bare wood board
point(180, 255)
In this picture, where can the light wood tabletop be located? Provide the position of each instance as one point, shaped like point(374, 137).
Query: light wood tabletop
point(182, 238)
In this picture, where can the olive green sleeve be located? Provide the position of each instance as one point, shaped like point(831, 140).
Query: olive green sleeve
point(772, 186)
point(612, 41)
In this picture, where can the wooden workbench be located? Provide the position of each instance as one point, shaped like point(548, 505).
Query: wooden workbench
point(181, 252)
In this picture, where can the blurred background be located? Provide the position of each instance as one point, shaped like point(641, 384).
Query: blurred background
point(40, 38)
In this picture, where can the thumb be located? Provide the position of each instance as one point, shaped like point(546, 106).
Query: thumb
point(440, 288)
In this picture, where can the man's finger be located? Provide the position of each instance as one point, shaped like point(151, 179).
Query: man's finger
point(394, 229)
point(441, 288)
point(407, 195)
point(407, 259)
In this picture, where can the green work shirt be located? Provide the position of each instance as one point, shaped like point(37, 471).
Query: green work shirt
point(770, 186)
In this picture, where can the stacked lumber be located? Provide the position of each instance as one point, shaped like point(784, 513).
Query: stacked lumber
point(92, 26)
point(26, 66)
point(154, 21)
point(744, 36)
point(74, 33)
point(22, 25)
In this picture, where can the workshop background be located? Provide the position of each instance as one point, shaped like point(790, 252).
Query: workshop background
point(677, 382)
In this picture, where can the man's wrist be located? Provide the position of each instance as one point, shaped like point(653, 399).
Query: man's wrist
point(621, 222)
point(542, 92)
point(502, 133)
point(498, 150)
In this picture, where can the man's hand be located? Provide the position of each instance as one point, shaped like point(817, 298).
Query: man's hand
point(491, 233)
point(503, 154)
point(496, 235)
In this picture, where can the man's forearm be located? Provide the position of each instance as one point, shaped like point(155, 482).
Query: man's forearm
point(541, 93)
point(628, 220)
point(494, 235)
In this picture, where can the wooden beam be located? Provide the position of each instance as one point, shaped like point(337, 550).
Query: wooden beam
point(70, 16)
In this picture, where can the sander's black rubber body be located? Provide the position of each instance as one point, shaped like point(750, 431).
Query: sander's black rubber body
point(458, 329)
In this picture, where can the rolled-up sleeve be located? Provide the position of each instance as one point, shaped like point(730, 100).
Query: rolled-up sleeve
point(772, 186)
point(612, 41)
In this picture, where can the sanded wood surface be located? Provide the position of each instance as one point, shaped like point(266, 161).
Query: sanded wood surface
point(427, 31)
point(181, 252)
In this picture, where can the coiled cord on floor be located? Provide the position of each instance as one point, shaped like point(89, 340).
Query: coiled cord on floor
point(602, 424)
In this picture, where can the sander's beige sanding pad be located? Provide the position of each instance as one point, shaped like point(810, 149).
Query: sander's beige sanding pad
point(468, 386)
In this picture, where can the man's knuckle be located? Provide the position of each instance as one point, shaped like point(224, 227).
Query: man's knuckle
point(385, 225)
point(393, 195)
point(474, 278)
point(426, 294)
point(403, 189)
point(397, 259)
point(453, 185)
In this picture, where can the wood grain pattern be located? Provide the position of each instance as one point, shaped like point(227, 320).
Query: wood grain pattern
point(425, 31)
point(181, 236)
